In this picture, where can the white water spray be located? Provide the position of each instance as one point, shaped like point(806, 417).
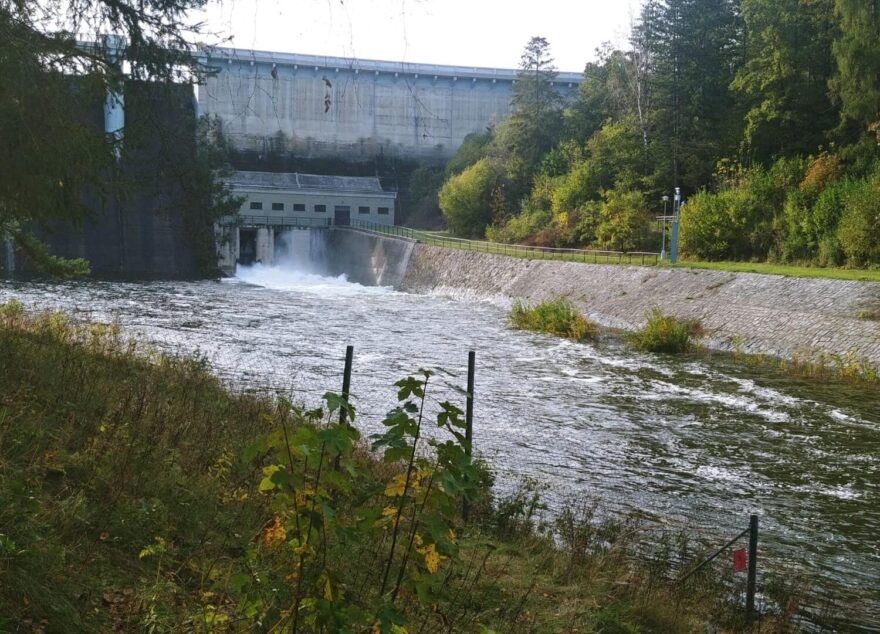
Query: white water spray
point(298, 266)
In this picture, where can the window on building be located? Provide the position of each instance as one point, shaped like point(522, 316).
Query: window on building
point(277, 206)
point(383, 211)
point(320, 209)
point(299, 207)
point(363, 210)
point(255, 205)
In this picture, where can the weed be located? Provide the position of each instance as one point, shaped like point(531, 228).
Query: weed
point(556, 317)
point(665, 333)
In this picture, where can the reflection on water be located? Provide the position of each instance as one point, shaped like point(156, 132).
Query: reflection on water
point(698, 441)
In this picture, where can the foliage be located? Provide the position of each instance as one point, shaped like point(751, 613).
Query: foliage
point(664, 333)
point(465, 199)
point(859, 230)
point(783, 84)
point(472, 149)
point(423, 185)
point(762, 111)
point(537, 105)
point(856, 84)
point(556, 317)
point(625, 222)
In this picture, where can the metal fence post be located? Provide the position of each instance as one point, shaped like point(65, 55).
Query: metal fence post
point(753, 568)
point(346, 381)
point(469, 422)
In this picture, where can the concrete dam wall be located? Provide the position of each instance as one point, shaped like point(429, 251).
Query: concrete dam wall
point(759, 314)
point(317, 107)
point(364, 258)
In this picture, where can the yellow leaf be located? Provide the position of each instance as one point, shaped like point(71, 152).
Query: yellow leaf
point(328, 590)
point(432, 558)
point(397, 486)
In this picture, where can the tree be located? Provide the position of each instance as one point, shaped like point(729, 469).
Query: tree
point(783, 84)
point(694, 53)
point(466, 199)
point(856, 85)
point(534, 126)
point(52, 153)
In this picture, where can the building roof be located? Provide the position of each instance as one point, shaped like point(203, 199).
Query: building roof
point(287, 181)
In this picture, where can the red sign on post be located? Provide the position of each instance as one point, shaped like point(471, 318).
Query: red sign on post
point(740, 560)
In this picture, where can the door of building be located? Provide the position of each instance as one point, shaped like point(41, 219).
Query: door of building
point(342, 215)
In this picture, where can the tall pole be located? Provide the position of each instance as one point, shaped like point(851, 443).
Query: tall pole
point(469, 422)
point(346, 381)
point(753, 568)
point(673, 239)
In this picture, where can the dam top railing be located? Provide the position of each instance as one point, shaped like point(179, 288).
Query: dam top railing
point(278, 221)
point(516, 250)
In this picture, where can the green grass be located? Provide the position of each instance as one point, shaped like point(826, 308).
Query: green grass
point(789, 270)
point(133, 499)
point(555, 317)
point(664, 333)
point(443, 239)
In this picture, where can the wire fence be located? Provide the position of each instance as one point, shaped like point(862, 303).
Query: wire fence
point(642, 258)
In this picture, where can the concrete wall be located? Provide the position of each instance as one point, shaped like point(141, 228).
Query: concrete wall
point(366, 259)
point(375, 108)
point(765, 314)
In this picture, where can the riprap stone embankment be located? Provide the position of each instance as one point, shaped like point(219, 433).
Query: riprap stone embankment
point(760, 314)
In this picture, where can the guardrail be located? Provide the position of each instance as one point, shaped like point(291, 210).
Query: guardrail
point(276, 221)
point(515, 250)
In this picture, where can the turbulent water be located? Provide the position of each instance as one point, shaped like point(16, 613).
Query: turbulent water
point(700, 442)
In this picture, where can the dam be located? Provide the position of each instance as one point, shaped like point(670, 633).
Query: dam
point(334, 107)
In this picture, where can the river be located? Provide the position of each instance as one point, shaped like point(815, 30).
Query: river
point(699, 441)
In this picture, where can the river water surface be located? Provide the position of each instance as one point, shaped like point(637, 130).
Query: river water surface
point(698, 441)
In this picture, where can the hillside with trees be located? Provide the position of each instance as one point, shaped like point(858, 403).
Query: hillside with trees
point(765, 112)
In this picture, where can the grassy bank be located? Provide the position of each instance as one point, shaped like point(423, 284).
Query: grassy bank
point(789, 270)
point(139, 494)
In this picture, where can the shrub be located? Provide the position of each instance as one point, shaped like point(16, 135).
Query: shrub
point(520, 228)
point(708, 228)
point(664, 333)
point(465, 200)
point(859, 230)
point(557, 317)
point(625, 221)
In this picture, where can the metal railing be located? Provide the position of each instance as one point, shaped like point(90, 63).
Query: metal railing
point(515, 250)
point(286, 222)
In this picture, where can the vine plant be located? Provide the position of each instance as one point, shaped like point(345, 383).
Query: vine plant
point(355, 545)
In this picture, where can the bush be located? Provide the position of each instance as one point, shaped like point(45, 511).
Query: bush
point(664, 333)
point(859, 230)
point(465, 200)
point(520, 228)
point(709, 229)
point(557, 317)
point(625, 221)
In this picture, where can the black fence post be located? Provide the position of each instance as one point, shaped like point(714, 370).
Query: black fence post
point(469, 422)
point(753, 568)
point(346, 382)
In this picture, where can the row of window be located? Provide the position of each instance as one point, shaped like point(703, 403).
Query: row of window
point(318, 209)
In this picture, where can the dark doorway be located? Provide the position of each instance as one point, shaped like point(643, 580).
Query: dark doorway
point(247, 246)
point(342, 215)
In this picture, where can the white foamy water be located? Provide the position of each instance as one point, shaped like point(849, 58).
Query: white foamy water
point(288, 278)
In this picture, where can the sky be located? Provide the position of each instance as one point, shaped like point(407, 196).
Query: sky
point(489, 33)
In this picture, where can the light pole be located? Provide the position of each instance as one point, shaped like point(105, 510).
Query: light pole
point(663, 242)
